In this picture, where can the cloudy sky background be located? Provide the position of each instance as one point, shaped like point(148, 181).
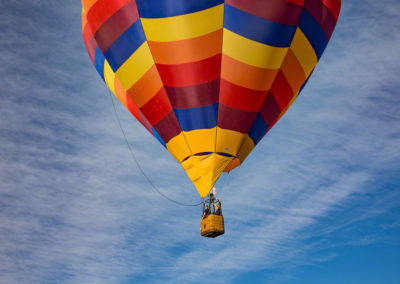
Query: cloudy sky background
point(317, 201)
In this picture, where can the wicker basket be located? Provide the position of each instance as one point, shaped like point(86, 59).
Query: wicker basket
point(212, 226)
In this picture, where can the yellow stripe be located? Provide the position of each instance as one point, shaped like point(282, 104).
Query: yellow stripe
point(304, 52)
point(184, 26)
point(201, 140)
point(109, 76)
point(178, 147)
point(234, 143)
point(205, 170)
point(135, 67)
point(245, 149)
point(229, 141)
point(251, 52)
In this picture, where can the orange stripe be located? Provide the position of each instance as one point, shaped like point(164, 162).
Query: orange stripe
point(120, 92)
point(188, 50)
point(84, 20)
point(87, 4)
point(232, 165)
point(246, 75)
point(86, 34)
point(125, 99)
point(147, 86)
point(133, 109)
point(293, 71)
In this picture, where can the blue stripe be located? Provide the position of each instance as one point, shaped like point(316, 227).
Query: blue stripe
point(258, 129)
point(219, 153)
point(170, 8)
point(203, 153)
point(197, 117)
point(99, 62)
point(258, 29)
point(125, 45)
point(304, 84)
point(224, 154)
point(314, 33)
point(158, 137)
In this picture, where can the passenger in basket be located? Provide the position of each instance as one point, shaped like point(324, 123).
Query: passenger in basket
point(206, 212)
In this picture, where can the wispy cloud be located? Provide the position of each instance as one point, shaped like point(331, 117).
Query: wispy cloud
point(74, 209)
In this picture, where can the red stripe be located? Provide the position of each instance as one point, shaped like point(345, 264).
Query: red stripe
point(102, 10)
point(157, 108)
point(278, 11)
point(194, 96)
point(281, 90)
point(322, 15)
point(134, 110)
point(116, 25)
point(240, 97)
point(86, 34)
point(297, 2)
point(235, 119)
point(270, 110)
point(143, 120)
point(168, 127)
point(333, 6)
point(194, 73)
point(91, 48)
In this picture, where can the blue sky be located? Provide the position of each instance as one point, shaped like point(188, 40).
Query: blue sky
point(317, 201)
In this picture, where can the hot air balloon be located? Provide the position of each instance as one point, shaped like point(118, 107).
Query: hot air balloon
point(207, 78)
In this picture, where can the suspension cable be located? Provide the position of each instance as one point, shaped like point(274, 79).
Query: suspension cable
point(138, 165)
point(224, 185)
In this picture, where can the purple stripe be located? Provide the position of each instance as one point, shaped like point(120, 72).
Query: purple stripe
point(270, 110)
point(168, 127)
point(278, 11)
point(322, 15)
point(235, 119)
point(116, 25)
point(194, 96)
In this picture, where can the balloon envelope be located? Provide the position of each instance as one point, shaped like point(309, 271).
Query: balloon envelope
point(207, 78)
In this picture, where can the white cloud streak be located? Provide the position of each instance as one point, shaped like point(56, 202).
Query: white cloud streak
point(74, 209)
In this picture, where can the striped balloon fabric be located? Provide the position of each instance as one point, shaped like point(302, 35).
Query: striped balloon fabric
point(207, 78)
